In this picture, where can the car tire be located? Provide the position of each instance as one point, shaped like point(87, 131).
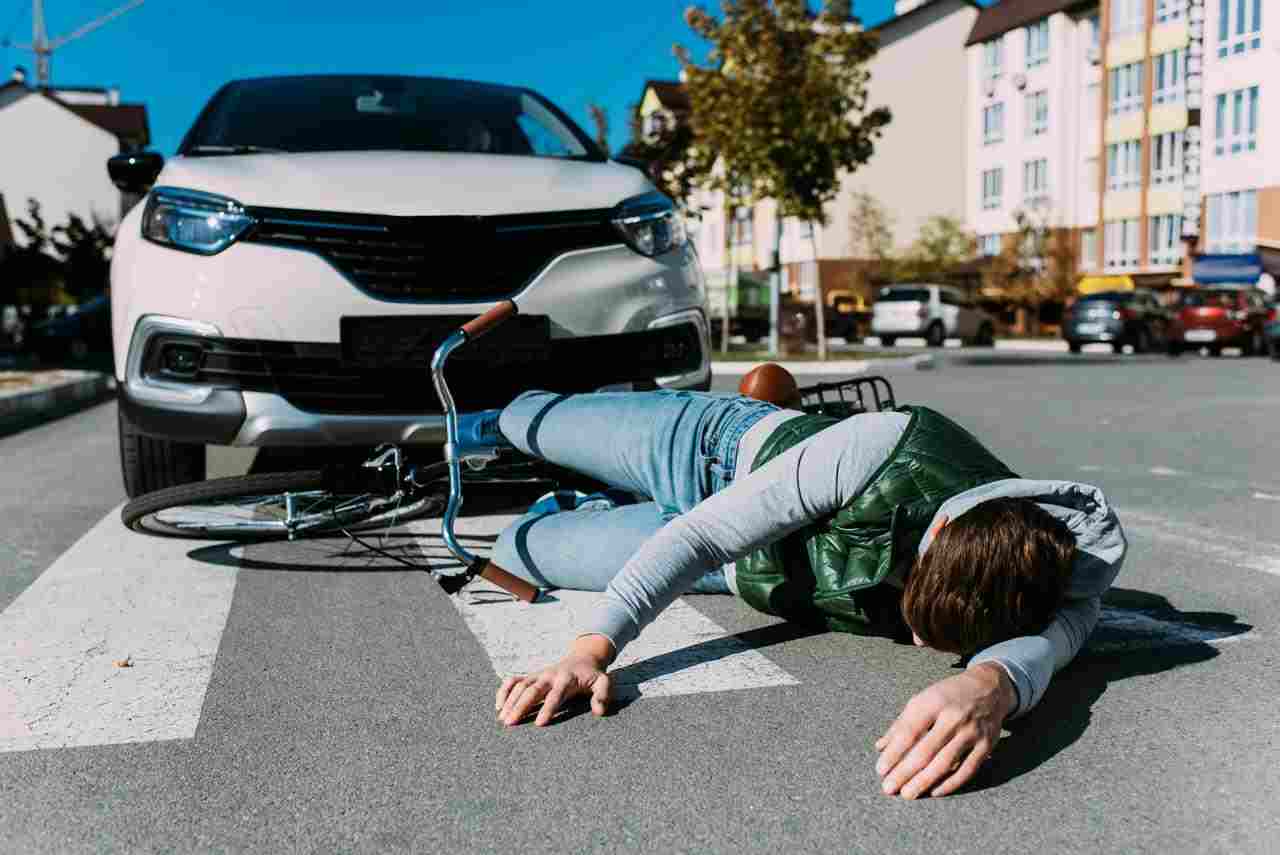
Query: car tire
point(1257, 345)
point(1215, 351)
point(1275, 349)
point(887, 340)
point(1142, 341)
point(1174, 349)
point(1074, 346)
point(1117, 347)
point(935, 335)
point(986, 336)
point(149, 463)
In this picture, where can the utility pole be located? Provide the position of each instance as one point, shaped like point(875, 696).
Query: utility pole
point(43, 48)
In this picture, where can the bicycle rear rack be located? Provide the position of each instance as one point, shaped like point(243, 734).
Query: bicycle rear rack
point(848, 397)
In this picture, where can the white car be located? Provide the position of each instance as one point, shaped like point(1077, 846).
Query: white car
point(936, 312)
point(314, 238)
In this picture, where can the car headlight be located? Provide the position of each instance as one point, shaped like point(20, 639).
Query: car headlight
point(650, 224)
point(193, 221)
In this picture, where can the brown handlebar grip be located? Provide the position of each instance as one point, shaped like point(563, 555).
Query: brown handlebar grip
point(480, 325)
point(512, 584)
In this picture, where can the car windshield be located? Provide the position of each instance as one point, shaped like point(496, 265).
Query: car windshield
point(365, 113)
point(1210, 299)
point(1107, 297)
point(904, 295)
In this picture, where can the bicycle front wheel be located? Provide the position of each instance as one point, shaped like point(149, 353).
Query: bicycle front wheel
point(272, 506)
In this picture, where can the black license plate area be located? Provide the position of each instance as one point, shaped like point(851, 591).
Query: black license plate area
point(391, 341)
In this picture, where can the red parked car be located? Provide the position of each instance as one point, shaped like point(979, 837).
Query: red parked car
point(1220, 317)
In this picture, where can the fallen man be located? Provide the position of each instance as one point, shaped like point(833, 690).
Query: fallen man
point(894, 523)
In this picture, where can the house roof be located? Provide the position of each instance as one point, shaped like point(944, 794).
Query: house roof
point(1010, 14)
point(671, 93)
point(126, 121)
point(926, 4)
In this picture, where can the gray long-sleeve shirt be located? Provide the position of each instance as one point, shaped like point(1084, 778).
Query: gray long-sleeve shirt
point(813, 480)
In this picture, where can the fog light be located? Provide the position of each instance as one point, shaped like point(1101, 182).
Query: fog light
point(181, 359)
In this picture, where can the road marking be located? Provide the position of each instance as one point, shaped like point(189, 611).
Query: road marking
point(1164, 471)
point(682, 652)
point(1267, 497)
point(113, 596)
point(1231, 549)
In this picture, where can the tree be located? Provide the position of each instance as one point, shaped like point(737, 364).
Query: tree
point(870, 240)
point(941, 244)
point(1037, 263)
point(781, 108)
point(667, 154)
point(600, 118)
point(85, 253)
point(30, 274)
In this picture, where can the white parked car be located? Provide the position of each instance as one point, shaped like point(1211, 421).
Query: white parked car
point(936, 312)
point(314, 238)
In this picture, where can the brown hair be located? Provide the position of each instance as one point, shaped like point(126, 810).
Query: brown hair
point(998, 571)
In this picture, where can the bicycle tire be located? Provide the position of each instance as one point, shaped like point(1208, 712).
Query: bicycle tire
point(250, 507)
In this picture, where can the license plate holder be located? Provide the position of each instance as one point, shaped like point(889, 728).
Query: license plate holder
point(1089, 328)
point(391, 341)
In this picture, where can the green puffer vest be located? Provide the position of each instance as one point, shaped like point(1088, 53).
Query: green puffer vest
point(829, 572)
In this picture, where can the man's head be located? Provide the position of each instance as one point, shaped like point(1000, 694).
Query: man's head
point(998, 571)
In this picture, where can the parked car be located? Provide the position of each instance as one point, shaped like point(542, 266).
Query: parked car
point(937, 312)
point(73, 334)
point(1117, 318)
point(1219, 317)
point(315, 237)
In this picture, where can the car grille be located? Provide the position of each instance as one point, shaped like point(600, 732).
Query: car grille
point(316, 377)
point(470, 259)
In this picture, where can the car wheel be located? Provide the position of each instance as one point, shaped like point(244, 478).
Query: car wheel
point(935, 335)
point(986, 336)
point(1275, 349)
point(1174, 349)
point(1257, 346)
point(1117, 347)
point(887, 340)
point(1215, 351)
point(149, 463)
point(1142, 341)
point(1074, 346)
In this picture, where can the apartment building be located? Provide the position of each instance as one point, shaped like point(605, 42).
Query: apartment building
point(1137, 129)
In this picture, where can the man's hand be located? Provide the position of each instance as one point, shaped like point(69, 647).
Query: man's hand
point(945, 733)
point(580, 673)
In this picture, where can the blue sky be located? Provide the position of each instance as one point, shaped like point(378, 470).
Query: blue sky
point(173, 54)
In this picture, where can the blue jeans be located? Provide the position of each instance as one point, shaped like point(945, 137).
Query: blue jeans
point(673, 449)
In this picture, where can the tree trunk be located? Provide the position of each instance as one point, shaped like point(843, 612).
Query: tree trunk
point(820, 300)
point(775, 283)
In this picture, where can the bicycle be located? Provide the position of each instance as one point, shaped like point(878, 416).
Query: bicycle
point(387, 488)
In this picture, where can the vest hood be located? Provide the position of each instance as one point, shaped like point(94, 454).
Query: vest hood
point(1100, 541)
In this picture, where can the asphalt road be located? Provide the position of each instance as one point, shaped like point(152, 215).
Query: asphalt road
point(314, 698)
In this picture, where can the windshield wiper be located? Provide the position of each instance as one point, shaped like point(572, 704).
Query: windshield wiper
point(235, 149)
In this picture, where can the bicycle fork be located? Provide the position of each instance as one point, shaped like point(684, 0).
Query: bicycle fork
point(474, 565)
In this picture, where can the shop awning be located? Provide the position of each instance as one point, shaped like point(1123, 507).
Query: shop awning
point(1242, 269)
point(1094, 284)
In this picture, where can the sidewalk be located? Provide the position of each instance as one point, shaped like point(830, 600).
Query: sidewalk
point(29, 397)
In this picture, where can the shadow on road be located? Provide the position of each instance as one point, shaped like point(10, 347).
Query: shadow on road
point(1140, 633)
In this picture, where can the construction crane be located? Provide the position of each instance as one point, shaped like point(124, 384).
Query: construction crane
point(44, 48)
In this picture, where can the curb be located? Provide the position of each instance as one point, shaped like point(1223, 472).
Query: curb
point(70, 392)
point(921, 362)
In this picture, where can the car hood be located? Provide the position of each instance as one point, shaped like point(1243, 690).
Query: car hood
point(406, 183)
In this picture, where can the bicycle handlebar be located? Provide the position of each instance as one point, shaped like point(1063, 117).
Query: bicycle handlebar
point(478, 326)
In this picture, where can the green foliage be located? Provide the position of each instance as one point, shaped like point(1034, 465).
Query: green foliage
point(780, 111)
point(941, 244)
point(71, 259)
point(85, 253)
point(668, 156)
point(1037, 262)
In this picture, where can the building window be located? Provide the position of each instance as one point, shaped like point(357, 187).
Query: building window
point(992, 188)
point(1126, 88)
point(993, 124)
point(1037, 108)
point(1124, 165)
point(743, 226)
point(1167, 86)
point(988, 245)
point(1089, 249)
point(1169, 10)
point(1236, 118)
point(1128, 16)
point(1233, 222)
point(1166, 158)
point(1038, 43)
point(992, 59)
point(1165, 246)
point(1035, 182)
point(1122, 244)
point(1239, 26)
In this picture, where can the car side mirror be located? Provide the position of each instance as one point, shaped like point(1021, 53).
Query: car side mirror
point(135, 172)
